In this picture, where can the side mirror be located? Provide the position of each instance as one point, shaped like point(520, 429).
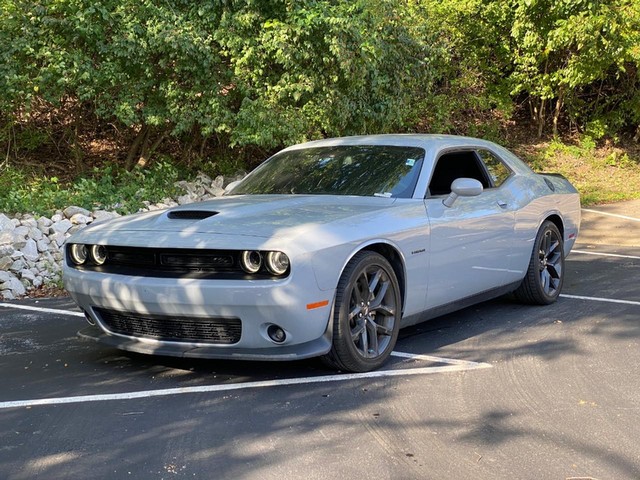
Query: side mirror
point(463, 187)
point(231, 186)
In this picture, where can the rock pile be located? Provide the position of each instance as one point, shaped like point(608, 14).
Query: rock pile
point(31, 248)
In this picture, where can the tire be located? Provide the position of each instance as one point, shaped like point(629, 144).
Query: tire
point(545, 275)
point(366, 315)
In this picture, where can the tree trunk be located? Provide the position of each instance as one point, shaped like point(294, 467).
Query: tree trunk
point(541, 118)
point(135, 147)
point(556, 113)
point(146, 152)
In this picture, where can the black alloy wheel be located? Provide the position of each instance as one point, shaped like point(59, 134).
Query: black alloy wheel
point(366, 315)
point(545, 275)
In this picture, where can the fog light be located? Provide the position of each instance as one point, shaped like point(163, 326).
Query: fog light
point(276, 334)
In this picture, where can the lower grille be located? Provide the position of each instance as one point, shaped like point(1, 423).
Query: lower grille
point(177, 329)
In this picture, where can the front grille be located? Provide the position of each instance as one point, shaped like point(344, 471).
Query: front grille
point(178, 260)
point(173, 263)
point(214, 330)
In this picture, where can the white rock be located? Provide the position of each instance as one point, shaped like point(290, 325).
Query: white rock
point(61, 226)
point(21, 231)
point(102, 215)
point(7, 295)
point(27, 275)
point(43, 244)
point(44, 222)
point(35, 233)
point(203, 178)
point(6, 225)
point(57, 239)
point(218, 182)
point(5, 263)
point(81, 219)
point(16, 287)
point(56, 218)
point(29, 221)
point(5, 276)
point(184, 199)
point(37, 282)
point(17, 265)
point(6, 237)
point(19, 242)
point(30, 250)
point(71, 211)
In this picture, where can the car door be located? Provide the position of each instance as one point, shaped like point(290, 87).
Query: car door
point(470, 245)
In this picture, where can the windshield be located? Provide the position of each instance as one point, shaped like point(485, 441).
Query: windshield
point(364, 170)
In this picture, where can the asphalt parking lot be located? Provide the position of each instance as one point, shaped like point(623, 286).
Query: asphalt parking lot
point(496, 391)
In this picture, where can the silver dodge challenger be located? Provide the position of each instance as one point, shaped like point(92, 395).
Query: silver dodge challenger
point(327, 249)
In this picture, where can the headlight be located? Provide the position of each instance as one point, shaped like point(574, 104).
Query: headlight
point(99, 254)
point(78, 253)
point(251, 261)
point(277, 263)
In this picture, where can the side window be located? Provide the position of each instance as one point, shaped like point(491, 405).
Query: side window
point(498, 171)
point(456, 164)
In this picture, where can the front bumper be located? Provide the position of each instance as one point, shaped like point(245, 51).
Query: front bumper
point(257, 303)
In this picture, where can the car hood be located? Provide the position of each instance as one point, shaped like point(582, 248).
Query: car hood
point(247, 215)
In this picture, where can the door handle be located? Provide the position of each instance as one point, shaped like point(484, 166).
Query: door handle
point(502, 204)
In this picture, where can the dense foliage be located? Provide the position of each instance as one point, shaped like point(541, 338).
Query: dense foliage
point(135, 78)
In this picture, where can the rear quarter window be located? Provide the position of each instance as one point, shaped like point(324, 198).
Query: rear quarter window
point(497, 169)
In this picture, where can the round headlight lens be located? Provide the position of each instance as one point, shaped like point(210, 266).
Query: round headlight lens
point(78, 253)
point(99, 254)
point(251, 261)
point(277, 263)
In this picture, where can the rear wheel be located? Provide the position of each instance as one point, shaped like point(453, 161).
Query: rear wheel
point(545, 274)
point(366, 315)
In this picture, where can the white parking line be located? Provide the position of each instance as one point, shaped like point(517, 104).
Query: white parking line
point(454, 366)
point(584, 252)
point(598, 299)
point(41, 309)
point(611, 214)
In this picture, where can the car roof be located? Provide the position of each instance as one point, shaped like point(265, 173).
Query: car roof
point(431, 143)
point(426, 141)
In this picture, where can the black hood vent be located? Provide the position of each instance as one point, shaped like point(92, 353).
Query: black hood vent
point(190, 214)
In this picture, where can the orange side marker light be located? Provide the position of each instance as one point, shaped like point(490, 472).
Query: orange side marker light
point(312, 306)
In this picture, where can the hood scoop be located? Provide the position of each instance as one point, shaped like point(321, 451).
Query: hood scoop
point(190, 214)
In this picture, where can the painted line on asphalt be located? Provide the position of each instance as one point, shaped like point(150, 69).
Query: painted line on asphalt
point(41, 309)
point(453, 366)
point(616, 255)
point(598, 299)
point(429, 358)
point(625, 217)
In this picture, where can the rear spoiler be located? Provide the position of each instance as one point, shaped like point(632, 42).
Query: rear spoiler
point(549, 174)
point(548, 179)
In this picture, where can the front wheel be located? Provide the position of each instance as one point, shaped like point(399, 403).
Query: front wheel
point(545, 274)
point(366, 315)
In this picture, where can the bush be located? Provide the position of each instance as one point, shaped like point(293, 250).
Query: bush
point(111, 188)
